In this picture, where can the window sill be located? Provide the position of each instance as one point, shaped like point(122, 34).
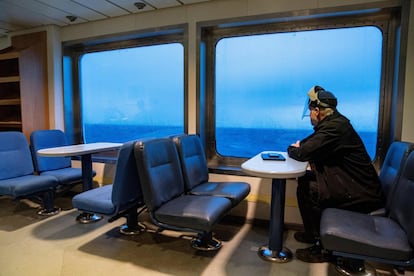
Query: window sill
point(111, 158)
point(108, 157)
point(229, 170)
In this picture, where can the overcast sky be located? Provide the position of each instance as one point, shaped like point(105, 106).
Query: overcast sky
point(271, 74)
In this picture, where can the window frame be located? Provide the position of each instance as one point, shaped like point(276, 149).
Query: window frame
point(387, 19)
point(74, 51)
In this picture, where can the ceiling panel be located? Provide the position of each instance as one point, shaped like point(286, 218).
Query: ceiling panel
point(191, 1)
point(17, 15)
point(73, 8)
point(34, 8)
point(25, 13)
point(103, 7)
point(159, 4)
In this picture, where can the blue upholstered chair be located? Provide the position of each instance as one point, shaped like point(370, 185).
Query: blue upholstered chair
point(391, 169)
point(17, 178)
point(356, 237)
point(195, 172)
point(122, 198)
point(164, 194)
point(59, 167)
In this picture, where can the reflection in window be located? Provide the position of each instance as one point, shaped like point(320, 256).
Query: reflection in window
point(262, 83)
point(133, 93)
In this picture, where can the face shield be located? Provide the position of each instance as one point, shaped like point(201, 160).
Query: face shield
point(319, 97)
point(306, 110)
point(312, 100)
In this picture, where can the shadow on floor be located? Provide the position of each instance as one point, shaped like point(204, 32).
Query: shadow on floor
point(18, 213)
point(160, 252)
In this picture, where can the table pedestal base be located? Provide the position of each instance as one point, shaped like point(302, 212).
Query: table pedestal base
point(86, 218)
point(130, 231)
point(282, 256)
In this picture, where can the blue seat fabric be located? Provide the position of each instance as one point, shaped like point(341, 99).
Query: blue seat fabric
point(362, 236)
point(21, 186)
point(192, 212)
point(394, 160)
point(196, 175)
point(123, 194)
point(59, 167)
point(164, 192)
point(357, 233)
point(17, 178)
point(98, 200)
point(50, 138)
point(15, 155)
point(66, 176)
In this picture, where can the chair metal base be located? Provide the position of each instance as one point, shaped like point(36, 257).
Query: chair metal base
point(282, 256)
point(86, 218)
point(48, 213)
point(130, 231)
point(348, 269)
point(212, 244)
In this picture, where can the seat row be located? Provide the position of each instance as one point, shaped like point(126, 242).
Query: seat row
point(24, 174)
point(168, 177)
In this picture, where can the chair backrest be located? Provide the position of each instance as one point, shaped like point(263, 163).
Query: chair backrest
point(15, 156)
point(50, 138)
point(402, 205)
point(391, 168)
point(193, 159)
point(126, 189)
point(159, 170)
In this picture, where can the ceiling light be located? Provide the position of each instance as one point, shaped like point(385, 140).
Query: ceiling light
point(139, 5)
point(72, 18)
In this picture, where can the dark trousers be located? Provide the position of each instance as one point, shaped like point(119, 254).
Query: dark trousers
point(309, 203)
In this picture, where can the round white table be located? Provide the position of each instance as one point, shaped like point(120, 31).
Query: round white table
point(278, 171)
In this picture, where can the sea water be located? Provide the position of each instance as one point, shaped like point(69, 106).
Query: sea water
point(235, 142)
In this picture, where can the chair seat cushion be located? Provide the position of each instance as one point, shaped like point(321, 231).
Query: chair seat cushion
point(193, 212)
point(66, 175)
point(27, 185)
point(379, 237)
point(98, 200)
point(235, 191)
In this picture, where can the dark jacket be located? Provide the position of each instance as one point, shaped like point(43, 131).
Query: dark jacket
point(341, 164)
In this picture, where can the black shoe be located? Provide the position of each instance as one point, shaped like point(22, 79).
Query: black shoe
point(313, 254)
point(304, 237)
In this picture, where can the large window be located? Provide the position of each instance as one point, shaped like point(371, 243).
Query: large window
point(132, 93)
point(125, 87)
point(255, 76)
point(261, 85)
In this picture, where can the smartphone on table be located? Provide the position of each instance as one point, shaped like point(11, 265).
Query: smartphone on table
point(275, 156)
